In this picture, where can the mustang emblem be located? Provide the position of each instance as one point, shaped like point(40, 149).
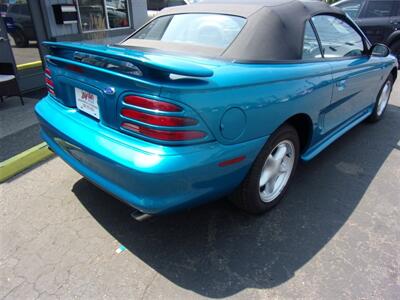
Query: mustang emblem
point(109, 90)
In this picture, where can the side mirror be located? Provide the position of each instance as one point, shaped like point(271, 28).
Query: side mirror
point(380, 50)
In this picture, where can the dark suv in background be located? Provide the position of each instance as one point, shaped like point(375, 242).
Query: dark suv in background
point(19, 23)
point(379, 19)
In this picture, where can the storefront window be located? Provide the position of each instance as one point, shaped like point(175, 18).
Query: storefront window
point(93, 16)
point(117, 12)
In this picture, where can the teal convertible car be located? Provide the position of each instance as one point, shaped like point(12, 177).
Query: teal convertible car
point(212, 99)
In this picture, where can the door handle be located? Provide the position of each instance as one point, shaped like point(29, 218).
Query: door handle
point(341, 84)
point(3, 39)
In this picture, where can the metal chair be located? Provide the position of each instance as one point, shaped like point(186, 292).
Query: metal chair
point(8, 82)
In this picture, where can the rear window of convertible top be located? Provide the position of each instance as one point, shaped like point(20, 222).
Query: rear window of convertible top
point(193, 29)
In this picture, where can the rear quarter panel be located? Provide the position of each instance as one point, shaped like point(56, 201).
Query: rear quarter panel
point(266, 95)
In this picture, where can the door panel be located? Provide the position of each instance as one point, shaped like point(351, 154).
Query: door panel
point(355, 87)
point(354, 74)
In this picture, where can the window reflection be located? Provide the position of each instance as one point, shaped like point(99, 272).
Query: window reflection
point(351, 8)
point(93, 14)
point(379, 9)
point(310, 47)
point(20, 31)
point(329, 29)
point(117, 12)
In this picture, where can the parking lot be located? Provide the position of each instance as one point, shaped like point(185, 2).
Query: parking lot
point(335, 236)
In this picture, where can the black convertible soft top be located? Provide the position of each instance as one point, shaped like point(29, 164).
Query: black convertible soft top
point(274, 29)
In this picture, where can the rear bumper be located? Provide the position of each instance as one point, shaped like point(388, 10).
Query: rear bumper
point(151, 178)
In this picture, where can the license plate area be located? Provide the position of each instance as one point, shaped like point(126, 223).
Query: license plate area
point(87, 102)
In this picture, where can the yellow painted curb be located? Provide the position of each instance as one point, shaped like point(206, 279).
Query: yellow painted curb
point(24, 160)
point(29, 65)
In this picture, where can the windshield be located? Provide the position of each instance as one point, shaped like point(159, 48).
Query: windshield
point(207, 30)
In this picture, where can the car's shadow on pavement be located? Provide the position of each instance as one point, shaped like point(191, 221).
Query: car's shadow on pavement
point(217, 251)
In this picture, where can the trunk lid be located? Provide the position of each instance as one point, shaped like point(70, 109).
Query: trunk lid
point(107, 74)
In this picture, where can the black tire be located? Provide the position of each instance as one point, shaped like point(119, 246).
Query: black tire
point(377, 114)
point(395, 48)
point(247, 197)
point(21, 41)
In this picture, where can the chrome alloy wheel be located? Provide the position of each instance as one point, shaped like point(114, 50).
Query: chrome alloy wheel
point(384, 97)
point(276, 171)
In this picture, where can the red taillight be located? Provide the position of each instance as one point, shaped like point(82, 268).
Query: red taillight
point(158, 120)
point(49, 82)
point(155, 118)
point(152, 104)
point(164, 134)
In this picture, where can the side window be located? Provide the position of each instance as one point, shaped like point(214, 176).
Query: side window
point(14, 8)
point(338, 38)
point(176, 2)
point(24, 10)
point(351, 8)
point(310, 45)
point(155, 4)
point(379, 9)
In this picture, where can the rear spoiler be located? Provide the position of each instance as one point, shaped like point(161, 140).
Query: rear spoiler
point(157, 61)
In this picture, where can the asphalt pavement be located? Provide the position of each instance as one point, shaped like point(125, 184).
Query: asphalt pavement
point(335, 236)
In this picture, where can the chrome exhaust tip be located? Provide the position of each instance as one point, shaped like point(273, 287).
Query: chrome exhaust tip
point(139, 216)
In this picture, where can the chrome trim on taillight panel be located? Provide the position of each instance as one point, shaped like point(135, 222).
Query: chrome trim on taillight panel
point(49, 82)
point(159, 120)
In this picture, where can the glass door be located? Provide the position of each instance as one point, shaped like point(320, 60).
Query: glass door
point(21, 37)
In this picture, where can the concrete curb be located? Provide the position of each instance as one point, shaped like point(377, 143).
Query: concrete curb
point(23, 161)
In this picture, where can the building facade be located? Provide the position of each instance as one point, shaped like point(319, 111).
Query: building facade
point(27, 23)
